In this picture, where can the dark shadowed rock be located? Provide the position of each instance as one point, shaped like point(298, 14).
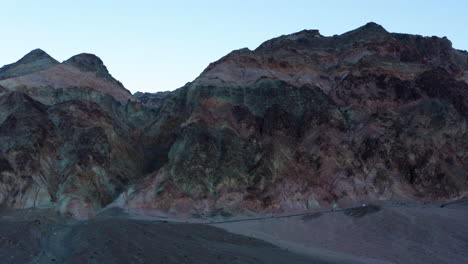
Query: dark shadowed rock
point(51, 239)
point(152, 99)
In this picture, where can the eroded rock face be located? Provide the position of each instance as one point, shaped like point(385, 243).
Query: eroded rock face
point(152, 99)
point(69, 147)
point(303, 121)
point(73, 155)
point(306, 120)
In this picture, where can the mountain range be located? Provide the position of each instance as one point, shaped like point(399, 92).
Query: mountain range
point(303, 121)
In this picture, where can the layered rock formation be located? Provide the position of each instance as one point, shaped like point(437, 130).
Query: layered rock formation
point(66, 137)
point(302, 121)
point(152, 99)
point(306, 120)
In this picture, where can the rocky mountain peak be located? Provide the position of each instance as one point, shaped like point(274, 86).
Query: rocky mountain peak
point(312, 38)
point(306, 33)
point(34, 61)
point(369, 32)
point(91, 63)
point(373, 26)
point(37, 73)
point(304, 37)
point(34, 55)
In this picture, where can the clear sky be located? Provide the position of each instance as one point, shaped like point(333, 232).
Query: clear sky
point(160, 45)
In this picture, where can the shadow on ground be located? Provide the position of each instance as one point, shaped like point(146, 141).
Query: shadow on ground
point(110, 238)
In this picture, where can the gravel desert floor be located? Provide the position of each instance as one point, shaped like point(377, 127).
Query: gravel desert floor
point(389, 233)
point(48, 238)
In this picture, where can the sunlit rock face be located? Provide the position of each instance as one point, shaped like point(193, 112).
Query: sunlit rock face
point(303, 121)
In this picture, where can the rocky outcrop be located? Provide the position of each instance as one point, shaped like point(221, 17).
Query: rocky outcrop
point(307, 120)
point(37, 73)
point(152, 99)
point(69, 147)
point(91, 63)
point(34, 61)
point(72, 155)
point(302, 121)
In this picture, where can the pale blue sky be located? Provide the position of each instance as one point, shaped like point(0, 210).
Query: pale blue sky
point(160, 45)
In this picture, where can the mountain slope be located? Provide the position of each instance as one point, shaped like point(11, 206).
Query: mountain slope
point(66, 139)
point(34, 61)
point(303, 121)
point(37, 73)
point(306, 121)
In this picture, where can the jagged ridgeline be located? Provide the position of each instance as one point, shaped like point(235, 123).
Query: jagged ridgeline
point(302, 121)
